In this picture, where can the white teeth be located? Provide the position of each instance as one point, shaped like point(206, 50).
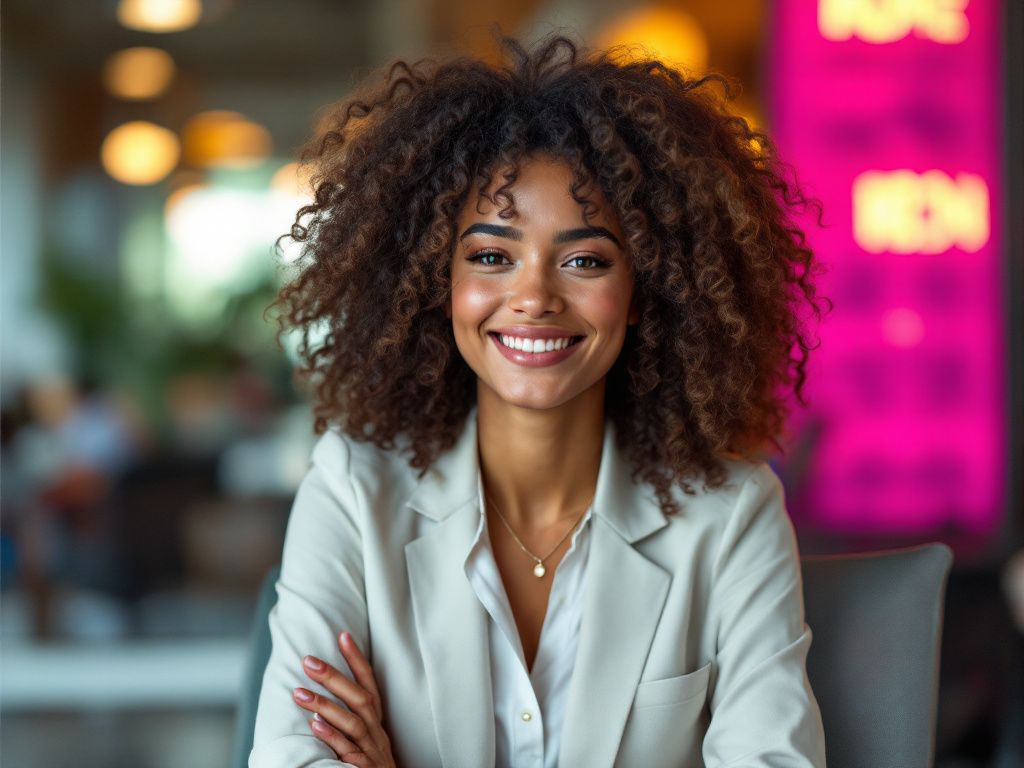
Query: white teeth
point(534, 345)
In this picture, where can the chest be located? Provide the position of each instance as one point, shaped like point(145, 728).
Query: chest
point(528, 595)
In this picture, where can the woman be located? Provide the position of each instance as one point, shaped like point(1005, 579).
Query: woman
point(539, 303)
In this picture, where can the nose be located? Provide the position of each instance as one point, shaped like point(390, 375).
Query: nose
point(535, 291)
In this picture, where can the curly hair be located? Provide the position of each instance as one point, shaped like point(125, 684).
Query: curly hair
point(721, 271)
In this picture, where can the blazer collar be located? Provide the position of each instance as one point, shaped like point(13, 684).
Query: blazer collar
point(631, 509)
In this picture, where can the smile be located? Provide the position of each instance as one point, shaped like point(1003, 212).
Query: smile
point(535, 352)
point(537, 345)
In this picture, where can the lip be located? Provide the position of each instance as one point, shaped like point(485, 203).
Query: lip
point(536, 359)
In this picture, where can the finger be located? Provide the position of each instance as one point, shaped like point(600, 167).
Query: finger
point(356, 698)
point(357, 731)
point(360, 668)
point(333, 738)
point(360, 760)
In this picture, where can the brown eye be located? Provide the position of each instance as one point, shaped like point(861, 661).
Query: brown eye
point(487, 258)
point(592, 262)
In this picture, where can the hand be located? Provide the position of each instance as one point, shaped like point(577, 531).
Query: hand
point(357, 737)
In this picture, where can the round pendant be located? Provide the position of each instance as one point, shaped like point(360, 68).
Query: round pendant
point(539, 570)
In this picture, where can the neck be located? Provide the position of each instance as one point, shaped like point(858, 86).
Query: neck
point(540, 467)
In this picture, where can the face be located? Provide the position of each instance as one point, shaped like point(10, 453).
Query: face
point(543, 279)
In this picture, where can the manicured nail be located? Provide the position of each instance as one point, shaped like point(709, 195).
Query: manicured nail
point(313, 663)
point(346, 639)
point(319, 726)
point(303, 695)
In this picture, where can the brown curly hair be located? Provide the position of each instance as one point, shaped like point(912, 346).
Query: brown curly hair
point(721, 270)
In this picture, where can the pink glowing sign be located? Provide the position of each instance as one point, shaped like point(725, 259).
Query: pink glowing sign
point(890, 112)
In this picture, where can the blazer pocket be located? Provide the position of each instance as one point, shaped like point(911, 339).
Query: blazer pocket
point(673, 690)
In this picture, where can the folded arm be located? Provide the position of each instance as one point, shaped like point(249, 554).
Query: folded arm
point(320, 593)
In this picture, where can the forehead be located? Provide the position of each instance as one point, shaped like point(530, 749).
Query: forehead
point(542, 190)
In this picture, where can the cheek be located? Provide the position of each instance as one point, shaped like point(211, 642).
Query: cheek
point(473, 301)
point(608, 307)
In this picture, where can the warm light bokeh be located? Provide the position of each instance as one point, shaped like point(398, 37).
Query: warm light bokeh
point(140, 152)
point(223, 139)
point(159, 15)
point(668, 34)
point(292, 179)
point(138, 73)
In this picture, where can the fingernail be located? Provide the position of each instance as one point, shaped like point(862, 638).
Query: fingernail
point(303, 695)
point(316, 716)
point(313, 663)
point(346, 638)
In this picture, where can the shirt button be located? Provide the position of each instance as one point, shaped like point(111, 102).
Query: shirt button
point(527, 716)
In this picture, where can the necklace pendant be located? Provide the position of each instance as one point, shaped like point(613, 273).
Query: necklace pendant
point(539, 570)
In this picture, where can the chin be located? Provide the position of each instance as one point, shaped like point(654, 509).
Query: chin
point(538, 398)
point(525, 396)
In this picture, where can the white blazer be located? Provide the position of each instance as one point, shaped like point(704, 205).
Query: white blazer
point(692, 647)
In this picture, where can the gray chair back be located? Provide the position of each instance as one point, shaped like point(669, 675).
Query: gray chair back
point(259, 655)
point(874, 658)
point(873, 663)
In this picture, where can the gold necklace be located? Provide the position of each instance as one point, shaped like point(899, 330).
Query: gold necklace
point(538, 569)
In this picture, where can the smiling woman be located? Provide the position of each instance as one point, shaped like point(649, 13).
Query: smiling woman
point(554, 279)
point(561, 297)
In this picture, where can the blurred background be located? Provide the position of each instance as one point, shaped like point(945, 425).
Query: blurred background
point(152, 438)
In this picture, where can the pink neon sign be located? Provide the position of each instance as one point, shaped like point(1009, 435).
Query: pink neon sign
point(890, 112)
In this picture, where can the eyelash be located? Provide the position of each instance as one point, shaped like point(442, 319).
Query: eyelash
point(479, 255)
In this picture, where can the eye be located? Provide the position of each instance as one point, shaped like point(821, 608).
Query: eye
point(487, 258)
point(592, 262)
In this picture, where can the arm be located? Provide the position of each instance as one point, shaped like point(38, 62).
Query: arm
point(320, 593)
point(763, 712)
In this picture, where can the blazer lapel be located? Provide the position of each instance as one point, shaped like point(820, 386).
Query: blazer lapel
point(451, 623)
point(622, 603)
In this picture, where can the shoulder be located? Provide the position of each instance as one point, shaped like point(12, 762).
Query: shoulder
point(747, 509)
point(337, 449)
point(359, 466)
point(743, 478)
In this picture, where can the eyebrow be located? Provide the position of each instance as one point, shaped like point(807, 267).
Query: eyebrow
point(565, 236)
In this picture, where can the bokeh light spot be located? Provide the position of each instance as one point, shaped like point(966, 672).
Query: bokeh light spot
point(159, 15)
point(140, 152)
point(668, 34)
point(223, 139)
point(902, 327)
point(138, 73)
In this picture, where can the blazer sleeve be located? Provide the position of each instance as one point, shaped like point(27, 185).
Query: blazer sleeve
point(320, 592)
point(763, 711)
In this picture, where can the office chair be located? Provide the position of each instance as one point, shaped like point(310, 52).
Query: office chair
point(876, 619)
point(259, 655)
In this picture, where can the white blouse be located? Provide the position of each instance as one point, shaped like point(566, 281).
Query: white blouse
point(529, 707)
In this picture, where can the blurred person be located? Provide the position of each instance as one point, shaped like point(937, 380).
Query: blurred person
point(75, 444)
point(202, 421)
point(548, 307)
